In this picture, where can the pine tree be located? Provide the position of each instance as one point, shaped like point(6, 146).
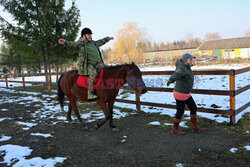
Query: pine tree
point(11, 58)
point(39, 26)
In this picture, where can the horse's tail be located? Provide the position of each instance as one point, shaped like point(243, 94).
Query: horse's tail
point(60, 93)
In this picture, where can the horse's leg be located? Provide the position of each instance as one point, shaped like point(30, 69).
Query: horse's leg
point(69, 113)
point(110, 105)
point(104, 108)
point(72, 101)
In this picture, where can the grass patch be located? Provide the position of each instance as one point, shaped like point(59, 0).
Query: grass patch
point(125, 109)
point(37, 88)
point(227, 158)
point(244, 122)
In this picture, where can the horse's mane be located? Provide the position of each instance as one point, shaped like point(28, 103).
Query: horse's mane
point(114, 67)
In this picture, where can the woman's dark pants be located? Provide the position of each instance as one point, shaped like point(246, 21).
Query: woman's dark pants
point(180, 106)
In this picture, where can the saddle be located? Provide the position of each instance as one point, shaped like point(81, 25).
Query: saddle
point(82, 80)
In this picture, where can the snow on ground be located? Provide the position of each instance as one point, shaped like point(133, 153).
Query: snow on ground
point(183, 124)
point(41, 134)
point(209, 82)
point(28, 125)
point(247, 148)
point(2, 119)
point(155, 123)
point(234, 150)
point(45, 110)
point(179, 165)
point(168, 124)
point(50, 110)
point(15, 153)
point(124, 139)
point(5, 138)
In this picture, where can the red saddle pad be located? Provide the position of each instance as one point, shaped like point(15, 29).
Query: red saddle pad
point(82, 80)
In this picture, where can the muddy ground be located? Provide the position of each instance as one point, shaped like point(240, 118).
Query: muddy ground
point(136, 144)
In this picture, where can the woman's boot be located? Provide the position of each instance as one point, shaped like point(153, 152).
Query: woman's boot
point(194, 123)
point(176, 127)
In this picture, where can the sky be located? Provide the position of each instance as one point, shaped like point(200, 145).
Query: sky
point(163, 20)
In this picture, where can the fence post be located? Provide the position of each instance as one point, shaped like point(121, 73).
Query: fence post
point(6, 80)
point(48, 82)
point(24, 87)
point(137, 99)
point(232, 95)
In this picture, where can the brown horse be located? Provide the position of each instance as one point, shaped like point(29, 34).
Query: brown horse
point(113, 78)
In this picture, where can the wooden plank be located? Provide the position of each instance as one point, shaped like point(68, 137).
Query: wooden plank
point(137, 99)
point(31, 74)
point(48, 82)
point(125, 101)
point(157, 72)
point(204, 72)
point(242, 108)
point(243, 70)
point(212, 72)
point(211, 92)
point(206, 110)
point(195, 91)
point(200, 72)
point(232, 97)
point(31, 82)
point(24, 87)
point(242, 89)
point(6, 81)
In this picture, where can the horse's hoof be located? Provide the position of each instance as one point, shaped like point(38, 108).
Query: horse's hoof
point(115, 130)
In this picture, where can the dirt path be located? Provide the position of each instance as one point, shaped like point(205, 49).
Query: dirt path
point(137, 143)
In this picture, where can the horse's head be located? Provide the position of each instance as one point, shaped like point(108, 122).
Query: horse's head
point(134, 78)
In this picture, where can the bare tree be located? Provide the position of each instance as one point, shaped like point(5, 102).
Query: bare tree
point(212, 36)
point(189, 37)
point(190, 41)
point(130, 44)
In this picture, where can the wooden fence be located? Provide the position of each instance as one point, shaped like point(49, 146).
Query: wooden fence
point(231, 92)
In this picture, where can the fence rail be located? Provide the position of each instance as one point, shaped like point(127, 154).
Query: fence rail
point(231, 92)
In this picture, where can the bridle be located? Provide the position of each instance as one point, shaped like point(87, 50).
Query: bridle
point(129, 71)
point(137, 84)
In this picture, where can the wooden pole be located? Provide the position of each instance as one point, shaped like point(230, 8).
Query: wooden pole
point(24, 87)
point(137, 99)
point(48, 82)
point(232, 96)
point(6, 81)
